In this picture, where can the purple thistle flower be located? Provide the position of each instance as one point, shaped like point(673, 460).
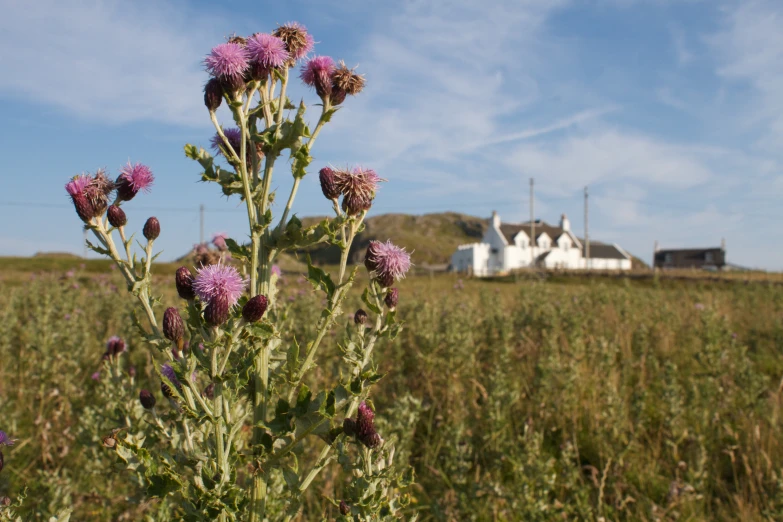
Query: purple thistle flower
point(168, 372)
point(365, 428)
point(317, 72)
point(5, 440)
point(219, 280)
point(388, 261)
point(132, 180)
point(276, 270)
point(77, 185)
point(267, 51)
point(297, 40)
point(219, 240)
point(234, 137)
point(227, 61)
point(96, 376)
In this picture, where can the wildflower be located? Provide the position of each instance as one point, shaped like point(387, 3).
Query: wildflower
point(266, 52)
point(217, 310)
point(209, 391)
point(345, 81)
point(298, 42)
point(388, 261)
point(76, 189)
point(132, 180)
point(358, 188)
point(5, 440)
point(96, 376)
point(219, 240)
point(147, 399)
point(392, 296)
point(131, 371)
point(276, 271)
point(219, 280)
point(173, 327)
point(328, 184)
point(183, 279)
point(151, 229)
point(360, 317)
point(228, 62)
point(117, 217)
point(234, 137)
point(363, 428)
point(254, 309)
point(213, 94)
point(317, 72)
point(345, 510)
point(115, 345)
point(168, 372)
point(97, 192)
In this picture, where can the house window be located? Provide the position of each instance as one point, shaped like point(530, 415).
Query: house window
point(494, 250)
point(667, 258)
point(708, 257)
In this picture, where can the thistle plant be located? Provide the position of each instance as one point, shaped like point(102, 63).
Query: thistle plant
point(239, 433)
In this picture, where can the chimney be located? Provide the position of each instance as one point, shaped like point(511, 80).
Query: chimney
point(564, 223)
point(495, 219)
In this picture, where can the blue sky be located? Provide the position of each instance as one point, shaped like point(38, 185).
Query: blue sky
point(670, 111)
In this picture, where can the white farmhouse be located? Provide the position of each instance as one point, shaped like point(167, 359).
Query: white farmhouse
point(507, 246)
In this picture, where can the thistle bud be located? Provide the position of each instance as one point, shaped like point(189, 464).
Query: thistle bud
point(146, 399)
point(4, 501)
point(354, 204)
point(371, 256)
point(216, 311)
point(115, 346)
point(132, 371)
point(184, 281)
point(345, 510)
point(254, 309)
point(328, 185)
point(349, 427)
point(151, 229)
point(173, 327)
point(213, 94)
point(117, 217)
point(209, 391)
point(360, 317)
point(365, 428)
point(385, 279)
point(392, 296)
point(84, 208)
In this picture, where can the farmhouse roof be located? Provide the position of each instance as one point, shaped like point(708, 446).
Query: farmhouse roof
point(600, 250)
point(510, 230)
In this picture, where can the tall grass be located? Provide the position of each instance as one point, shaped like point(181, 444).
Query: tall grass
point(529, 401)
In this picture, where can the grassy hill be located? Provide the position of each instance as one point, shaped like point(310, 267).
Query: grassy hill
point(432, 237)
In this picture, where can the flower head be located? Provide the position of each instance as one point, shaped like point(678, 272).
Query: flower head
point(132, 180)
point(276, 270)
point(219, 240)
point(388, 261)
point(5, 440)
point(147, 399)
point(183, 280)
point(234, 137)
point(115, 345)
point(227, 60)
point(358, 188)
point(328, 185)
point(168, 372)
point(298, 42)
point(117, 217)
point(77, 185)
point(77, 189)
point(213, 94)
point(96, 376)
point(151, 229)
point(267, 51)
point(317, 72)
point(365, 428)
point(345, 81)
point(254, 309)
point(173, 326)
point(218, 280)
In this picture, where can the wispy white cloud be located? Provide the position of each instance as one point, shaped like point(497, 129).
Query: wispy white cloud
point(111, 61)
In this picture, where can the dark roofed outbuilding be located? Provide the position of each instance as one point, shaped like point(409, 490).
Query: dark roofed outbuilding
point(710, 258)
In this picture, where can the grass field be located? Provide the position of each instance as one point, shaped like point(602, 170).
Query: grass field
point(559, 398)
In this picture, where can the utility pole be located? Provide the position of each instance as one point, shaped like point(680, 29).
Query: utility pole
point(532, 225)
point(587, 235)
point(201, 228)
point(85, 244)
